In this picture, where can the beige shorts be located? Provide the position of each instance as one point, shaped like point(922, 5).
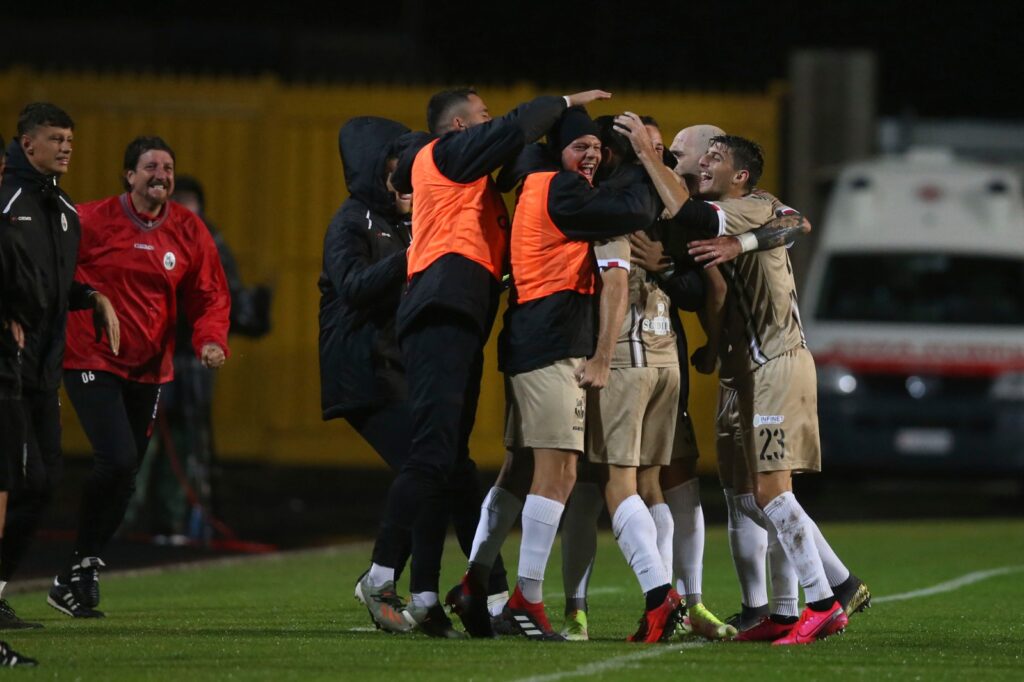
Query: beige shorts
point(779, 413)
point(546, 408)
point(732, 462)
point(633, 419)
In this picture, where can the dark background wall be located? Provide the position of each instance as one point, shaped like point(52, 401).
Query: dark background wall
point(960, 60)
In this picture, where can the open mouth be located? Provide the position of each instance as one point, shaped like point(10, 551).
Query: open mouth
point(586, 169)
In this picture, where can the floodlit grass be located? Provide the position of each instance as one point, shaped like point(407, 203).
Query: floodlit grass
point(292, 617)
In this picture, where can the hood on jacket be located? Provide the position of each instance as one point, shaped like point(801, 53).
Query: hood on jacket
point(365, 142)
point(18, 165)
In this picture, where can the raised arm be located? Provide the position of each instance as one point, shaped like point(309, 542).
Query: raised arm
point(588, 213)
point(672, 191)
point(471, 154)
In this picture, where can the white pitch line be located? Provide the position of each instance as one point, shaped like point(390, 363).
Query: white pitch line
point(949, 585)
point(614, 663)
point(629, 659)
point(604, 590)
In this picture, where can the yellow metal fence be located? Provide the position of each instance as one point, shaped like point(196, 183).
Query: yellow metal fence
point(266, 153)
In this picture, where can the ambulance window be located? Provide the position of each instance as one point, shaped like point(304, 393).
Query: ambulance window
point(923, 288)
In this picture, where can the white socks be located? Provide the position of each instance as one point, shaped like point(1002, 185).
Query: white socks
point(424, 599)
point(540, 525)
point(637, 536)
point(688, 549)
point(663, 521)
point(497, 514)
point(748, 542)
point(835, 570)
point(579, 538)
point(785, 586)
point(381, 574)
point(796, 535)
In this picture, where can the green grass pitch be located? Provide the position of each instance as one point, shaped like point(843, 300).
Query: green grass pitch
point(293, 617)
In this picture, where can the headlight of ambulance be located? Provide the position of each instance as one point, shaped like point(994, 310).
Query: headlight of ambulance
point(1009, 386)
point(836, 380)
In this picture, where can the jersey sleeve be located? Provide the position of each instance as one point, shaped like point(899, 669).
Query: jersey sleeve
point(469, 155)
point(778, 208)
point(613, 253)
point(205, 288)
point(585, 213)
point(736, 216)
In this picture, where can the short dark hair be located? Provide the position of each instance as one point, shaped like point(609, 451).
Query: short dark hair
point(39, 114)
point(186, 184)
point(614, 140)
point(746, 155)
point(441, 104)
point(139, 146)
point(650, 121)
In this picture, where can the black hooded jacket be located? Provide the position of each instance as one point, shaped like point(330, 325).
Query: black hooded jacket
point(363, 277)
point(47, 224)
point(21, 300)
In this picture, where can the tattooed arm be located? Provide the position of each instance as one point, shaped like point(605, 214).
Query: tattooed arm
point(780, 231)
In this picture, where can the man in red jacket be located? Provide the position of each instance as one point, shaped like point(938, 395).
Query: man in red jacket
point(143, 248)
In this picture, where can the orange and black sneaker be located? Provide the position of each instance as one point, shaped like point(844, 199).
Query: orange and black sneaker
point(383, 603)
point(814, 625)
point(529, 619)
point(659, 624)
point(469, 603)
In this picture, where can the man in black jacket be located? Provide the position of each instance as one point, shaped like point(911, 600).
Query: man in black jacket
point(21, 306)
point(362, 375)
point(454, 271)
point(45, 219)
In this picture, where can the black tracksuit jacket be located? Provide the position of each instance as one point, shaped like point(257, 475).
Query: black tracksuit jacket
point(47, 224)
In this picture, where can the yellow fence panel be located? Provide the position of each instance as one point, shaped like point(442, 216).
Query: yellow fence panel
point(267, 155)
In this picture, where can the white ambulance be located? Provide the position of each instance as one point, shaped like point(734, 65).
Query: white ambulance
point(914, 311)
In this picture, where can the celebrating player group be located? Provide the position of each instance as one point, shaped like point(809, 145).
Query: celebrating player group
point(612, 234)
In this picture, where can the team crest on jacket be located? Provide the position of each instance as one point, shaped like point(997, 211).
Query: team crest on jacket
point(63, 222)
point(169, 260)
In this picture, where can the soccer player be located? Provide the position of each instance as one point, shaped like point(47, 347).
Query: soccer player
point(454, 269)
point(630, 430)
point(143, 249)
point(749, 537)
point(777, 393)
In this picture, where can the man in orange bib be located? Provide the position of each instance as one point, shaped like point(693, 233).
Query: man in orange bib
point(455, 265)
